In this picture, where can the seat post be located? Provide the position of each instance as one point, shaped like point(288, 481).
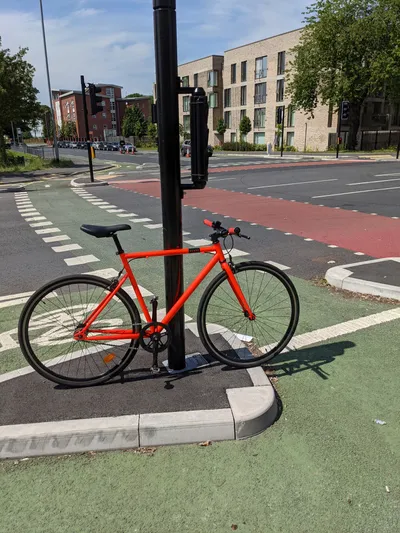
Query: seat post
point(117, 244)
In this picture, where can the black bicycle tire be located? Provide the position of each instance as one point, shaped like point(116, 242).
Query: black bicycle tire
point(29, 353)
point(209, 291)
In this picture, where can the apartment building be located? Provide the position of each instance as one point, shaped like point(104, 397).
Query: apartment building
point(68, 107)
point(207, 73)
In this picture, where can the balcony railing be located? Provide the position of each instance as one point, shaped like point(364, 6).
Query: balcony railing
point(259, 123)
point(260, 98)
point(261, 73)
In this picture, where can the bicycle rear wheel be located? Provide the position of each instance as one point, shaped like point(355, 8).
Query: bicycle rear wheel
point(233, 338)
point(52, 315)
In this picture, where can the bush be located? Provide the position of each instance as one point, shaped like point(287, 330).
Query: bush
point(243, 147)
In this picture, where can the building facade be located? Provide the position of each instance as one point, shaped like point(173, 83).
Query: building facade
point(207, 73)
point(68, 107)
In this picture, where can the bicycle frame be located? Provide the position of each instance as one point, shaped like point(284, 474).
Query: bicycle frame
point(119, 334)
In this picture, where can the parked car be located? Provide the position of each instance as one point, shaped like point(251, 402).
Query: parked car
point(128, 148)
point(73, 144)
point(111, 147)
point(187, 149)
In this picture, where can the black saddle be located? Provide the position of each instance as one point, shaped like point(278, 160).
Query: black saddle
point(104, 231)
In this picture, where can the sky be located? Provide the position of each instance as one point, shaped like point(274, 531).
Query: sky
point(112, 42)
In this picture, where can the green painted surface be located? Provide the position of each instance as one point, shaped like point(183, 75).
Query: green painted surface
point(323, 466)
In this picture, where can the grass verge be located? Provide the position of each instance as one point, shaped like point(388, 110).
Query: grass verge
point(32, 163)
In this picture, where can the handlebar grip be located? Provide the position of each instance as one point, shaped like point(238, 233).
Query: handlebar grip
point(208, 223)
point(234, 231)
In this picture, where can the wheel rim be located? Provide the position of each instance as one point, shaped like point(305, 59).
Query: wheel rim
point(54, 318)
point(232, 334)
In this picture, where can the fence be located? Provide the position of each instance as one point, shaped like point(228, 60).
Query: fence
point(44, 152)
point(377, 140)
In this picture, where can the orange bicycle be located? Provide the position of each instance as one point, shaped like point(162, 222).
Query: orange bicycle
point(83, 330)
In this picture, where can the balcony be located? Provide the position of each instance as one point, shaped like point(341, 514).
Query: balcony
point(259, 74)
point(260, 98)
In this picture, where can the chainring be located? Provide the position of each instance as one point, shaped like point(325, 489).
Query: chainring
point(163, 338)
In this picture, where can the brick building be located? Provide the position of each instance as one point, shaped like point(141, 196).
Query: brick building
point(68, 107)
point(251, 80)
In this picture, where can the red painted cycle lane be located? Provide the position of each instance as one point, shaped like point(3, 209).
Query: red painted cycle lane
point(376, 236)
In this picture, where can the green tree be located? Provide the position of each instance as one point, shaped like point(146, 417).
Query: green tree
point(152, 132)
point(134, 123)
point(221, 127)
point(244, 126)
point(18, 100)
point(134, 95)
point(347, 51)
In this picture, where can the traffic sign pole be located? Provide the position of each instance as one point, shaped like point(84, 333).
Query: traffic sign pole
point(85, 114)
point(170, 173)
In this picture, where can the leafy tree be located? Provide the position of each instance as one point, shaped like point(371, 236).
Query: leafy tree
point(18, 101)
point(134, 123)
point(221, 127)
point(245, 126)
point(152, 132)
point(134, 95)
point(71, 129)
point(347, 51)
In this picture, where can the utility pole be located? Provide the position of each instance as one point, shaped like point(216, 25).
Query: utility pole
point(170, 172)
point(283, 129)
point(398, 148)
point(55, 141)
point(12, 130)
point(85, 114)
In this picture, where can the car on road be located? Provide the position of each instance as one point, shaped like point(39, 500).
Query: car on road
point(127, 148)
point(111, 147)
point(73, 144)
point(186, 149)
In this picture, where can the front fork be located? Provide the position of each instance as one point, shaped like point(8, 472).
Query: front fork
point(229, 268)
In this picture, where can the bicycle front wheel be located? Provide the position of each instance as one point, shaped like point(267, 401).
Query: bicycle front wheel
point(52, 315)
point(229, 335)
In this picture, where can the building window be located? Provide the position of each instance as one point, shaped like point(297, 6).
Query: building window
point(103, 103)
point(259, 137)
point(186, 123)
point(280, 90)
point(243, 95)
point(110, 92)
point(73, 116)
point(290, 138)
point(212, 78)
point(281, 63)
point(94, 126)
point(186, 104)
point(233, 137)
point(112, 105)
point(261, 67)
point(228, 119)
point(259, 118)
point(113, 123)
point(185, 81)
point(291, 111)
point(227, 98)
point(243, 71)
point(213, 100)
point(94, 116)
point(330, 115)
point(260, 93)
point(233, 73)
point(104, 115)
point(242, 113)
point(195, 80)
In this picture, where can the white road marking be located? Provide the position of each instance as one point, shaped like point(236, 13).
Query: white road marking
point(355, 192)
point(28, 212)
point(278, 265)
point(136, 220)
point(81, 260)
point(185, 232)
point(66, 248)
point(94, 199)
point(47, 230)
point(308, 240)
point(38, 224)
point(131, 292)
point(359, 253)
point(375, 181)
point(384, 175)
point(100, 203)
point(35, 219)
point(153, 226)
point(106, 206)
point(126, 215)
point(198, 242)
point(106, 273)
point(269, 229)
point(290, 184)
point(332, 246)
point(395, 218)
point(220, 179)
point(57, 238)
point(115, 210)
point(14, 299)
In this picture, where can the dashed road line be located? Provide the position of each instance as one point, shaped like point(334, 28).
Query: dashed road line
point(278, 265)
point(356, 192)
point(66, 248)
point(14, 299)
point(81, 260)
point(107, 273)
point(115, 210)
point(126, 215)
point(39, 224)
point(290, 184)
point(136, 220)
point(47, 230)
point(153, 226)
point(35, 219)
point(57, 238)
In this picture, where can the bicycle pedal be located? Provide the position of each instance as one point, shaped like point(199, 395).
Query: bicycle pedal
point(155, 369)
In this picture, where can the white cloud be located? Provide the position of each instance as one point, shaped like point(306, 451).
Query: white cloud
point(87, 12)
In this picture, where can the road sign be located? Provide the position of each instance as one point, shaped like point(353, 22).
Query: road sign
point(19, 131)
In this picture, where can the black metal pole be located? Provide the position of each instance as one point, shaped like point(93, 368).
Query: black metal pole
point(85, 114)
point(165, 41)
point(283, 129)
point(398, 147)
point(339, 124)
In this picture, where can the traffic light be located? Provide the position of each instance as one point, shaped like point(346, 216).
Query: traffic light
point(95, 100)
point(345, 110)
point(279, 115)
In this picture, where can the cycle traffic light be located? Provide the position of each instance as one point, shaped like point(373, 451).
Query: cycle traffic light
point(95, 100)
point(345, 110)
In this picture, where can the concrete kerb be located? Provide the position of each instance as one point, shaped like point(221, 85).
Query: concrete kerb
point(11, 189)
point(341, 277)
point(252, 410)
point(75, 183)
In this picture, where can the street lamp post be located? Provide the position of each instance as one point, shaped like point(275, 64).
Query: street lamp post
point(49, 84)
